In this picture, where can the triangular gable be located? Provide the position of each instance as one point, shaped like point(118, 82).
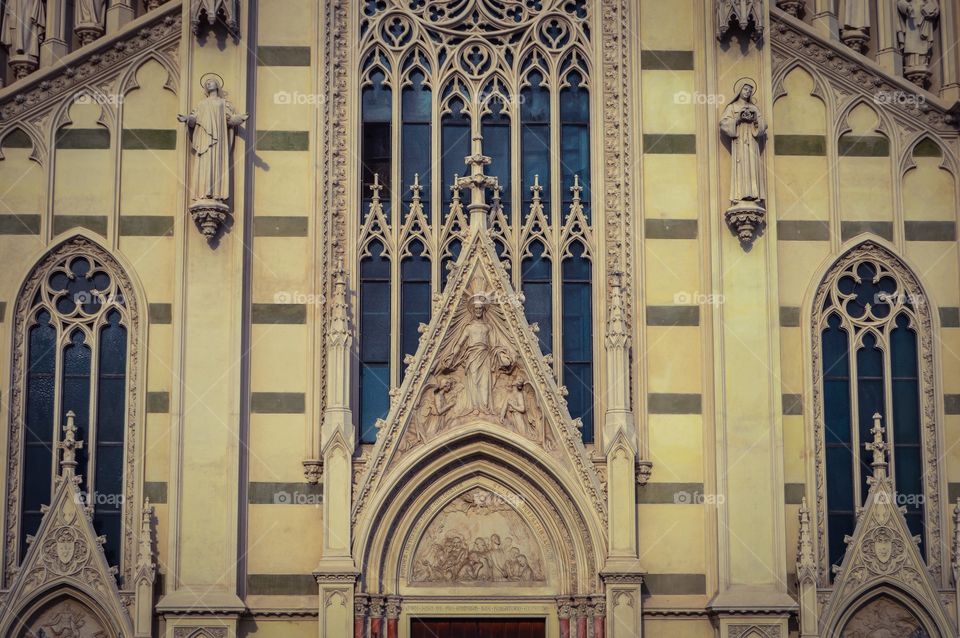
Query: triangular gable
point(67, 553)
point(486, 368)
point(882, 552)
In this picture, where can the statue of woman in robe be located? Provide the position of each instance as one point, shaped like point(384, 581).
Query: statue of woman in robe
point(918, 21)
point(744, 125)
point(212, 122)
point(22, 28)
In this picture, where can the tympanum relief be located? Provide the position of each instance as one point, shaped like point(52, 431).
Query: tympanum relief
point(477, 377)
point(884, 618)
point(67, 619)
point(478, 539)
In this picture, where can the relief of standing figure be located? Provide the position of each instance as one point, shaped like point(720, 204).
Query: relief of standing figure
point(22, 29)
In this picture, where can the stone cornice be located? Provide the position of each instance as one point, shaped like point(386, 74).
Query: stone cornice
point(792, 39)
point(92, 63)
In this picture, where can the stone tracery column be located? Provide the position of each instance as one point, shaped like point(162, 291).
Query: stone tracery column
point(582, 604)
point(564, 612)
point(376, 616)
point(598, 605)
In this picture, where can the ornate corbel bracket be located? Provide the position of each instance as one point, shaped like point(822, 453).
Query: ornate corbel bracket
point(644, 470)
point(313, 470)
point(746, 15)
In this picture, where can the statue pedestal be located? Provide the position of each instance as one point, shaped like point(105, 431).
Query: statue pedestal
point(746, 219)
point(209, 215)
point(919, 75)
point(23, 65)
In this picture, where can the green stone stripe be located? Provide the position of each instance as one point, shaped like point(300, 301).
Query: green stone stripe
point(96, 223)
point(792, 404)
point(804, 145)
point(83, 138)
point(3, 310)
point(803, 230)
point(850, 229)
point(156, 491)
point(158, 402)
point(669, 493)
point(670, 228)
point(930, 231)
point(277, 402)
point(864, 146)
point(146, 225)
point(651, 60)
point(17, 138)
point(156, 139)
point(675, 584)
point(669, 144)
point(267, 493)
point(927, 148)
point(793, 493)
point(161, 313)
point(789, 317)
point(283, 141)
point(949, 317)
point(673, 315)
point(283, 56)
point(674, 403)
point(279, 313)
point(282, 585)
point(951, 405)
point(20, 224)
point(269, 226)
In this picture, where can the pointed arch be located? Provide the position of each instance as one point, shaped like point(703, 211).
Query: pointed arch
point(900, 302)
point(78, 284)
point(38, 149)
point(128, 81)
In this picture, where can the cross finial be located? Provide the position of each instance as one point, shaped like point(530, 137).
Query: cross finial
point(478, 183)
point(70, 445)
point(536, 188)
point(375, 188)
point(576, 189)
point(416, 188)
point(878, 446)
point(455, 189)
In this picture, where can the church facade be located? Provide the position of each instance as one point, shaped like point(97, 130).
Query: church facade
point(463, 318)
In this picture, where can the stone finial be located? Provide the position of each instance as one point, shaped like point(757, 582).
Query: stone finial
point(70, 445)
point(879, 448)
point(806, 561)
point(478, 182)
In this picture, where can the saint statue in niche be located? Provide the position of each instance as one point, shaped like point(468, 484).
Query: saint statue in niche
point(918, 21)
point(212, 123)
point(22, 29)
point(746, 128)
point(90, 20)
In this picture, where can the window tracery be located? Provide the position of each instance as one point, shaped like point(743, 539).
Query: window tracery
point(434, 74)
point(75, 354)
point(871, 335)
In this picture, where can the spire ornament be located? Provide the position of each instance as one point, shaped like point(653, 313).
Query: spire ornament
point(879, 448)
point(478, 182)
point(69, 445)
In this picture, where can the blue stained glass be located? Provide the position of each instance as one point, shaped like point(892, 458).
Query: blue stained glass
point(535, 102)
point(836, 382)
point(374, 339)
point(455, 146)
point(577, 339)
point(416, 100)
point(377, 100)
point(109, 524)
point(111, 387)
point(536, 283)
point(41, 358)
point(374, 398)
point(455, 254)
point(415, 299)
point(496, 145)
point(575, 141)
point(416, 141)
point(870, 397)
point(840, 525)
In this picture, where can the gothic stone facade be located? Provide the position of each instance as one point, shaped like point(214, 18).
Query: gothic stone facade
point(755, 182)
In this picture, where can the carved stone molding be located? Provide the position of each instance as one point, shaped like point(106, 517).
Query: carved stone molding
point(849, 73)
point(106, 61)
point(746, 15)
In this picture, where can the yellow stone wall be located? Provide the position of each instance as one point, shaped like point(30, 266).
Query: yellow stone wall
point(115, 171)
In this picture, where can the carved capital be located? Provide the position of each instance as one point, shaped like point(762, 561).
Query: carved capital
point(313, 471)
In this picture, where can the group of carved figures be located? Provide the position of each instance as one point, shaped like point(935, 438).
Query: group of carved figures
point(916, 27)
point(477, 377)
point(486, 560)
